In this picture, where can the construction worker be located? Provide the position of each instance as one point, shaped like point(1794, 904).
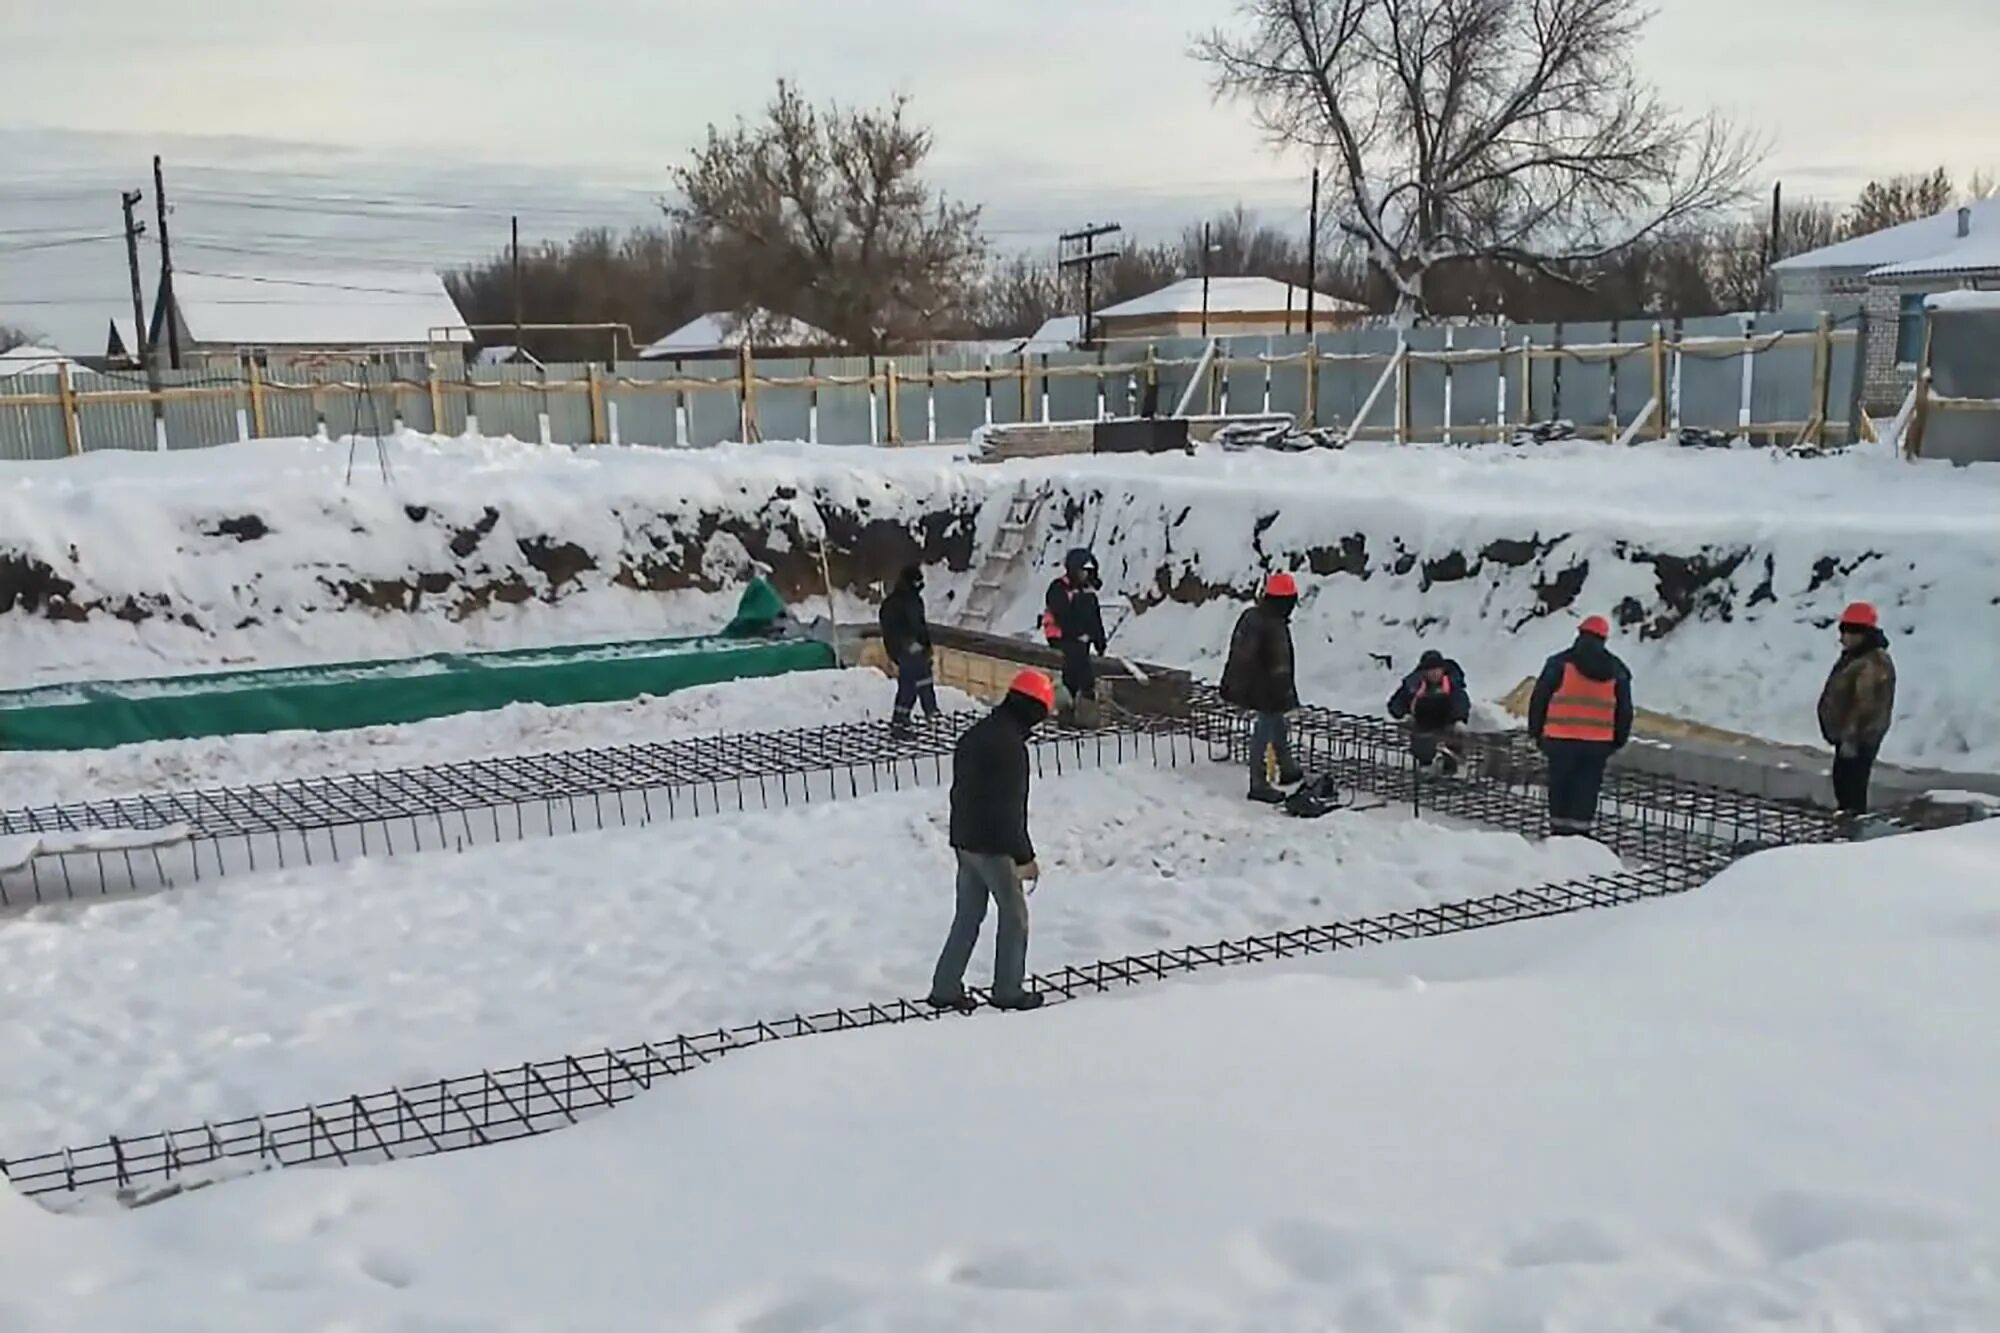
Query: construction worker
point(989, 834)
point(1434, 702)
point(1856, 706)
point(1258, 676)
point(906, 637)
point(1073, 624)
point(1580, 714)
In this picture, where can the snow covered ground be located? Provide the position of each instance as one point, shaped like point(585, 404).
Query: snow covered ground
point(774, 703)
point(1767, 1104)
point(270, 990)
point(1734, 564)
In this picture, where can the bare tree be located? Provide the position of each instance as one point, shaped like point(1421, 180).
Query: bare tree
point(12, 337)
point(1510, 131)
point(1985, 184)
point(1899, 199)
point(825, 215)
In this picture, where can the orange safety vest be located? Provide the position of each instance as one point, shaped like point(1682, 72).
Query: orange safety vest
point(1051, 628)
point(1582, 709)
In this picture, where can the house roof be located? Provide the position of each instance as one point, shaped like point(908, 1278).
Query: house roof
point(318, 308)
point(28, 359)
point(1976, 253)
point(726, 330)
point(1964, 301)
point(1911, 242)
point(1056, 335)
point(1226, 296)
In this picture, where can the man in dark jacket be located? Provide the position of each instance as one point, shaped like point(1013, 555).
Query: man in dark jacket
point(906, 636)
point(1073, 624)
point(1434, 701)
point(1258, 676)
point(1857, 705)
point(996, 858)
point(1580, 714)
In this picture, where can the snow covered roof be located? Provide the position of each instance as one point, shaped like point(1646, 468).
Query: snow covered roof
point(1908, 243)
point(28, 359)
point(318, 308)
point(1974, 253)
point(727, 330)
point(1056, 335)
point(1987, 302)
point(1226, 296)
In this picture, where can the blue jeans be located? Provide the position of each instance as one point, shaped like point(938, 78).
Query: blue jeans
point(981, 876)
point(1270, 736)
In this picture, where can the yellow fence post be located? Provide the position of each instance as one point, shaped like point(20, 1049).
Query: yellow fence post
point(66, 400)
point(889, 393)
point(1659, 359)
point(1913, 438)
point(1822, 376)
point(1027, 381)
point(1527, 381)
point(258, 426)
point(1403, 397)
point(1312, 383)
point(437, 395)
point(595, 388)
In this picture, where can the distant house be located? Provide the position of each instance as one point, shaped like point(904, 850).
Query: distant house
point(28, 359)
point(1234, 306)
point(1887, 274)
point(400, 319)
point(506, 354)
point(122, 345)
point(1059, 334)
point(725, 333)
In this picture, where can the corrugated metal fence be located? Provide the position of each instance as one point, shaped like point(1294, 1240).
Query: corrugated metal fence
point(1776, 376)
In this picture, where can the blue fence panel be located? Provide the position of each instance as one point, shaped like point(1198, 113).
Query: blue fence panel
point(1245, 377)
point(846, 413)
point(1582, 383)
point(1072, 397)
point(713, 414)
point(646, 415)
point(783, 413)
point(1711, 380)
point(1475, 384)
point(961, 404)
point(1288, 381)
point(1782, 392)
point(1632, 377)
point(30, 431)
point(1427, 379)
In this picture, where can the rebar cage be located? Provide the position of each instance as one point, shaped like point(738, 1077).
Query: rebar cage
point(1673, 835)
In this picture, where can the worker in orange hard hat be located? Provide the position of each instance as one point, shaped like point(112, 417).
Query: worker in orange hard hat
point(989, 835)
point(1258, 675)
point(1581, 715)
point(1857, 704)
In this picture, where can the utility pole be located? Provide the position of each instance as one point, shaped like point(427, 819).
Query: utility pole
point(1312, 251)
point(1204, 279)
point(169, 310)
point(1774, 248)
point(517, 285)
point(141, 335)
point(1087, 259)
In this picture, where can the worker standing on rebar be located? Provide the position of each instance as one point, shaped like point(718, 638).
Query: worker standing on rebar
point(996, 857)
point(1073, 624)
point(1258, 675)
point(1581, 715)
point(906, 637)
point(1857, 705)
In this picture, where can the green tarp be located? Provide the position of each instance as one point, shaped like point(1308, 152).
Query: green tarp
point(95, 715)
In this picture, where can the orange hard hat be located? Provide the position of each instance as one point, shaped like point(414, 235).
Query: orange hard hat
point(1281, 584)
point(1861, 614)
point(1596, 626)
point(1032, 684)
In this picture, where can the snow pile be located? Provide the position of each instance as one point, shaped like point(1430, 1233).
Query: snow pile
point(1766, 1104)
point(773, 703)
point(317, 982)
point(1724, 570)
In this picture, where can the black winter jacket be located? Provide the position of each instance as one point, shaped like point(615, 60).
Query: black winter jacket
point(989, 787)
point(1433, 709)
point(1258, 674)
point(1075, 613)
point(1594, 661)
point(904, 626)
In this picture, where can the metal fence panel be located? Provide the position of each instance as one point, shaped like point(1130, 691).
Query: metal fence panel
point(1582, 381)
point(783, 413)
point(1711, 381)
point(505, 412)
point(1475, 385)
point(1245, 377)
point(713, 415)
point(1843, 393)
point(1782, 393)
point(1427, 381)
point(961, 404)
point(1632, 376)
point(31, 431)
point(644, 415)
point(1072, 397)
point(1540, 404)
point(847, 413)
point(1287, 391)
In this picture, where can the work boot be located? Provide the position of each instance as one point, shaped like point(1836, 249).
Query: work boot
point(1267, 795)
point(900, 728)
point(1291, 777)
point(1027, 999)
point(962, 1002)
point(1088, 715)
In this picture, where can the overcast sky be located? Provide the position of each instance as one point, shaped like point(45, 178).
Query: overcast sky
point(1049, 112)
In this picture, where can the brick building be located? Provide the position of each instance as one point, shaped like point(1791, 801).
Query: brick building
point(1886, 275)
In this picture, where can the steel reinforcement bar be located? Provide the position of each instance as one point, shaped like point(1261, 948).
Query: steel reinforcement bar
point(496, 1105)
point(449, 807)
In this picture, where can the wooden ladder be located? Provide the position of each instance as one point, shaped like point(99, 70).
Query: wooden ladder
point(1009, 545)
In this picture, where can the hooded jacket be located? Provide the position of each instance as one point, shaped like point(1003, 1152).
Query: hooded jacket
point(1593, 661)
point(904, 626)
point(989, 783)
point(1258, 674)
point(1453, 704)
point(1859, 699)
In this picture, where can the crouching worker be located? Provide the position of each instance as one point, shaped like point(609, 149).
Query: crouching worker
point(1432, 699)
point(1258, 676)
point(1580, 714)
point(989, 834)
point(906, 637)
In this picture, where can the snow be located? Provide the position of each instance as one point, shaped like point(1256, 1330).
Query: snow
point(1918, 240)
point(1057, 334)
point(17, 849)
point(774, 703)
point(1965, 301)
point(725, 331)
point(319, 308)
point(317, 982)
point(1226, 296)
point(1766, 1104)
point(28, 359)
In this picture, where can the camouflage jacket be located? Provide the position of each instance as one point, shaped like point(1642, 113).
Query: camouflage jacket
point(1860, 697)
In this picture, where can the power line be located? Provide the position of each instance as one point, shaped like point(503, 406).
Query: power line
point(306, 282)
point(57, 245)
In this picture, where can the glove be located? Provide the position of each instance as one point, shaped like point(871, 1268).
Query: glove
point(1028, 872)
